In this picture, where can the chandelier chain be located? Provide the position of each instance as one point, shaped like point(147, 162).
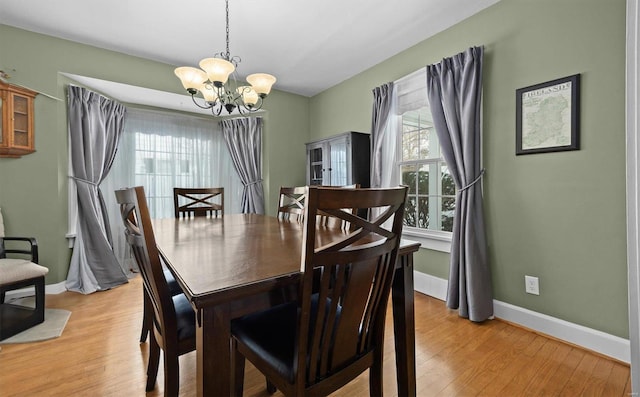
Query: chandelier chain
point(227, 15)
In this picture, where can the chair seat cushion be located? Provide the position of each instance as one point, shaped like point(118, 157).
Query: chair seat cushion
point(271, 334)
point(13, 270)
point(185, 317)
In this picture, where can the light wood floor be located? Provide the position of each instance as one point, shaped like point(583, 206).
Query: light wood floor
point(99, 355)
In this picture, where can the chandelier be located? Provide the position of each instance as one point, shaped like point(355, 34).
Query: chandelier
point(212, 82)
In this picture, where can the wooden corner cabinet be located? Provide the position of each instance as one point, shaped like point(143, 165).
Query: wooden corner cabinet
point(340, 160)
point(16, 120)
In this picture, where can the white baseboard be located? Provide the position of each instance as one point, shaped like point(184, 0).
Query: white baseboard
point(55, 288)
point(588, 338)
point(430, 285)
point(598, 341)
point(50, 289)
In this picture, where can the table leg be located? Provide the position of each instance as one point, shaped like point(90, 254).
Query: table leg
point(213, 352)
point(404, 326)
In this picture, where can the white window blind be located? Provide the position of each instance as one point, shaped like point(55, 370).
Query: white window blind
point(411, 91)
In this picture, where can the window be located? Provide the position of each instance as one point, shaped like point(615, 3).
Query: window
point(160, 151)
point(419, 164)
point(431, 197)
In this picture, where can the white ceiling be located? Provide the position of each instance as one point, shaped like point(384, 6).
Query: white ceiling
point(308, 45)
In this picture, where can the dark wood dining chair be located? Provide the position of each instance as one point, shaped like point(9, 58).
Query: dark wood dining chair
point(334, 331)
point(198, 201)
point(291, 203)
point(173, 322)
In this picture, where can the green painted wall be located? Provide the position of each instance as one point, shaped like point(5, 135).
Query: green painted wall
point(33, 189)
point(557, 216)
point(285, 134)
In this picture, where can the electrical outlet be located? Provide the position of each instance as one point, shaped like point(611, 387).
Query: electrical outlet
point(531, 285)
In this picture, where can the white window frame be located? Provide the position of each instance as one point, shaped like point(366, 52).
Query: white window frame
point(411, 94)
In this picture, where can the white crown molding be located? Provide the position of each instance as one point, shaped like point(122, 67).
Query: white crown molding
point(136, 95)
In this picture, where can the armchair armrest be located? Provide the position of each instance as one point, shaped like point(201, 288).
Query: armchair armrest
point(32, 250)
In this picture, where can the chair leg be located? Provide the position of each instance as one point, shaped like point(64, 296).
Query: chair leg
point(154, 361)
point(238, 370)
point(271, 388)
point(39, 309)
point(375, 375)
point(171, 374)
point(147, 316)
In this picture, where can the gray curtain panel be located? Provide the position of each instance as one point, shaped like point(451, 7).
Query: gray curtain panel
point(244, 140)
point(454, 87)
point(380, 114)
point(95, 126)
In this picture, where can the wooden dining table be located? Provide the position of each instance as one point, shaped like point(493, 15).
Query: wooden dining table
point(242, 263)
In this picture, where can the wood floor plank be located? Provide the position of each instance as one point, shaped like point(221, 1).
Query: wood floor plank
point(580, 377)
point(543, 382)
point(479, 368)
point(99, 355)
point(598, 380)
point(617, 381)
point(510, 378)
point(531, 369)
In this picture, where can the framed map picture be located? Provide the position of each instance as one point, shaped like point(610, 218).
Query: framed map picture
point(547, 116)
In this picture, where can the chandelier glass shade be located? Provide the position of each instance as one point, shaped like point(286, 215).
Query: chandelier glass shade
point(212, 82)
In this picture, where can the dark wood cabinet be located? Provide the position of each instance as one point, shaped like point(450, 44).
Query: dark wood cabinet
point(343, 159)
point(16, 120)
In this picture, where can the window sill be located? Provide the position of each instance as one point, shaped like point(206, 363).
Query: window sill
point(437, 241)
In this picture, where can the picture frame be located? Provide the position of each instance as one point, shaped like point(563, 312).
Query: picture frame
point(548, 116)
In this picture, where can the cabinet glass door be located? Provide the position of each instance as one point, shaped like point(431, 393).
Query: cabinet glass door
point(315, 166)
point(20, 121)
point(339, 170)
